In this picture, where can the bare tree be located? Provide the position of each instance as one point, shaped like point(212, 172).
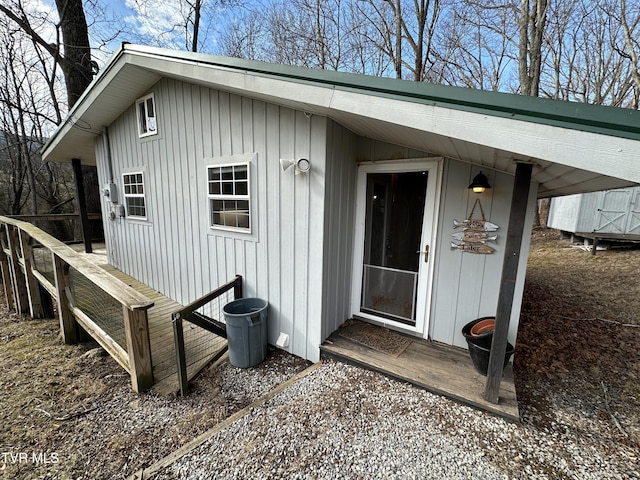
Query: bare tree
point(563, 25)
point(531, 22)
point(364, 56)
point(593, 63)
point(31, 186)
point(15, 93)
point(245, 37)
point(56, 43)
point(74, 55)
point(475, 46)
point(386, 17)
point(310, 33)
point(405, 33)
point(630, 21)
point(181, 24)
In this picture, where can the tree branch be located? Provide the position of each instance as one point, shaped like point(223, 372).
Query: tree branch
point(24, 24)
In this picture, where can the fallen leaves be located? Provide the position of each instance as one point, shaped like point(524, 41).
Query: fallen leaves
point(579, 336)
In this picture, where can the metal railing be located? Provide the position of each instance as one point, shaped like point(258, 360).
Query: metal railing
point(193, 349)
point(35, 265)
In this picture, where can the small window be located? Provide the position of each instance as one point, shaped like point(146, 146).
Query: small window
point(134, 195)
point(147, 124)
point(229, 202)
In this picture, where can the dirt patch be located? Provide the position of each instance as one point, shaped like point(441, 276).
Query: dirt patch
point(69, 411)
point(577, 362)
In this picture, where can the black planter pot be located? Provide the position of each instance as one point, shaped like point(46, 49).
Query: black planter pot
point(480, 339)
point(480, 347)
point(480, 355)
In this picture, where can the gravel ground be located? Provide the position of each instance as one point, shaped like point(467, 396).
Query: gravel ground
point(577, 375)
point(344, 422)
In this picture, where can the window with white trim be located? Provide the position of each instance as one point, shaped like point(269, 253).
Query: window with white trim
point(146, 108)
point(134, 195)
point(229, 197)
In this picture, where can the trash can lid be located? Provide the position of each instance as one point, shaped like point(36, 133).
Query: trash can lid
point(244, 306)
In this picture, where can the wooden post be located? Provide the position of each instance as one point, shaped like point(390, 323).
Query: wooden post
point(136, 328)
point(68, 325)
point(178, 336)
point(512, 252)
point(18, 281)
point(82, 204)
point(6, 279)
point(33, 287)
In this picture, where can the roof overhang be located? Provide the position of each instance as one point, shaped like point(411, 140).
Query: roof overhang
point(574, 147)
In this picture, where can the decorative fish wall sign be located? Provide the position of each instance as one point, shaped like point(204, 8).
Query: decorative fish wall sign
point(475, 233)
point(473, 247)
point(474, 236)
point(476, 225)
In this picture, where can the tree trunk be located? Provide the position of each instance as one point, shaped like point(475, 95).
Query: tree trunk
point(196, 24)
point(76, 66)
point(398, 59)
point(76, 63)
point(631, 44)
point(545, 206)
point(533, 19)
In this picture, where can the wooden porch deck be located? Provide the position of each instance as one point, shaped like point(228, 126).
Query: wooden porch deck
point(440, 369)
point(161, 337)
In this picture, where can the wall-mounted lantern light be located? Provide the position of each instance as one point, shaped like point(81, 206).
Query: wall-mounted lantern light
point(480, 183)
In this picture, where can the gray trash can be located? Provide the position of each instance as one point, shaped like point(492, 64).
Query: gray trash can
point(246, 320)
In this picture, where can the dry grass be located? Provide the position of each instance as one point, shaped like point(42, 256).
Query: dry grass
point(578, 346)
point(78, 411)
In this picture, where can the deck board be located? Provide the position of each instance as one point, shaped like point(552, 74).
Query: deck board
point(163, 354)
point(440, 369)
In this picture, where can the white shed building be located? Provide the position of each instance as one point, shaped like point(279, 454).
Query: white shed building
point(612, 214)
point(190, 149)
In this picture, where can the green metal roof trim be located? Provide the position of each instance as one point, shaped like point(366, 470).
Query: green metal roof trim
point(615, 121)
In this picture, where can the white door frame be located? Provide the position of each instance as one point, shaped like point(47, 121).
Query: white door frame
point(433, 167)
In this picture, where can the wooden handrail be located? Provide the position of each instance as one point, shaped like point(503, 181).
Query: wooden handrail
point(236, 284)
point(55, 216)
point(189, 314)
point(136, 359)
point(119, 290)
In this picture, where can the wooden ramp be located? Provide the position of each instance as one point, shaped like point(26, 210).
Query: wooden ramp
point(440, 369)
point(201, 346)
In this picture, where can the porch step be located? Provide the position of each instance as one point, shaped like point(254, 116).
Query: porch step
point(439, 369)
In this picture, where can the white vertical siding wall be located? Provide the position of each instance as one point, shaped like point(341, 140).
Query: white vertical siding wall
point(340, 192)
point(298, 255)
point(587, 211)
point(466, 285)
point(176, 252)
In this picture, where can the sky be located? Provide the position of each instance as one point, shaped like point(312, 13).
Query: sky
point(151, 24)
point(145, 25)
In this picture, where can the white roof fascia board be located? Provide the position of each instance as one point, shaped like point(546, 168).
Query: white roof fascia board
point(82, 109)
point(600, 153)
point(250, 84)
point(85, 101)
point(603, 154)
point(580, 149)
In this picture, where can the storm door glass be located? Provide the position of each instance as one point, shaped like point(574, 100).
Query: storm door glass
point(393, 232)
